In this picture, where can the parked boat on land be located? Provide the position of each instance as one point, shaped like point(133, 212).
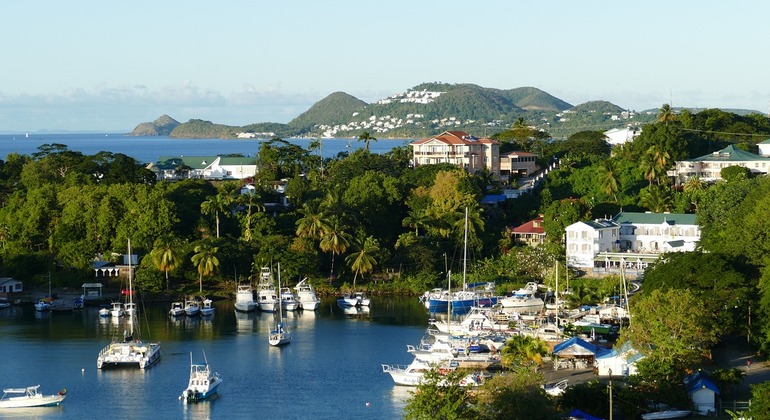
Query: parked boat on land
point(306, 296)
point(524, 300)
point(203, 382)
point(244, 298)
point(130, 351)
point(177, 309)
point(666, 414)
point(29, 397)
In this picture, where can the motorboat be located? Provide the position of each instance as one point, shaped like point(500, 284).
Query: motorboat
point(203, 382)
point(361, 299)
point(129, 351)
point(288, 299)
point(306, 296)
point(43, 305)
point(177, 309)
point(104, 311)
point(666, 414)
point(556, 389)
point(413, 374)
point(279, 337)
point(29, 397)
point(192, 307)
point(267, 296)
point(116, 309)
point(347, 300)
point(244, 298)
point(129, 308)
point(523, 300)
point(207, 309)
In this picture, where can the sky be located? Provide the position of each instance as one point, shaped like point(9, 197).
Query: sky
point(95, 65)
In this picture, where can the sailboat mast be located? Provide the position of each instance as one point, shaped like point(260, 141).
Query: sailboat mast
point(280, 307)
point(130, 288)
point(465, 249)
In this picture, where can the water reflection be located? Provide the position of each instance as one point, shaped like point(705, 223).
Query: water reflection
point(244, 322)
point(200, 410)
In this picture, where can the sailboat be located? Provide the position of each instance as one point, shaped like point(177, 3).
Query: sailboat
point(130, 351)
point(278, 337)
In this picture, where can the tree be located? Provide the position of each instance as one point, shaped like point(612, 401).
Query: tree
point(735, 173)
point(217, 204)
point(608, 179)
point(366, 138)
point(314, 222)
point(666, 114)
point(524, 351)
point(335, 240)
point(164, 255)
point(515, 395)
point(440, 397)
point(760, 401)
point(670, 327)
point(205, 260)
point(362, 259)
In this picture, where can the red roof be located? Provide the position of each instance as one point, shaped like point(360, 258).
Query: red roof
point(533, 226)
point(456, 138)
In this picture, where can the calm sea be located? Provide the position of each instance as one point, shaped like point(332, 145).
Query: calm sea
point(331, 369)
point(149, 149)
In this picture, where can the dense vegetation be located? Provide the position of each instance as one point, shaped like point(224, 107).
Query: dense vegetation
point(373, 221)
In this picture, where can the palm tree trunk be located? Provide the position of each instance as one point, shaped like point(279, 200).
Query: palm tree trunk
point(200, 281)
point(217, 217)
point(354, 279)
point(166, 279)
point(331, 273)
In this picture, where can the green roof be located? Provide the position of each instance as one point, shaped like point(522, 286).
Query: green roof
point(238, 160)
point(654, 218)
point(765, 142)
point(729, 154)
point(195, 162)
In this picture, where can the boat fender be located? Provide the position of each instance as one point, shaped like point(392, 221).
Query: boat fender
point(63, 391)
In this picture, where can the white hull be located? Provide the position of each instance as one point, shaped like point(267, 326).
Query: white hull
point(667, 414)
point(279, 339)
point(131, 353)
point(249, 306)
point(207, 309)
point(268, 306)
point(28, 398)
point(244, 299)
point(104, 312)
point(521, 306)
point(306, 296)
point(203, 383)
point(309, 305)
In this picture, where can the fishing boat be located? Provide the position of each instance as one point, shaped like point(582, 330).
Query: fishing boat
point(192, 307)
point(207, 309)
point(288, 299)
point(116, 309)
point(347, 300)
point(279, 337)
point(104, 311)
point(129, 308)
point(306, 296)
point(203, 382)
point(29, 397)
point(43, 305)
point(267, 297)
point(244, 298)
point(361, 299)
point(130, 351)
point(177, 309)
point(524, 300)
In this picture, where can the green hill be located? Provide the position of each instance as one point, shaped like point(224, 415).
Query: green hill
point(336, 108)
point(163, 126)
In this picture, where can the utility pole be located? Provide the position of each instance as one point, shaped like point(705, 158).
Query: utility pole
point(610, 371)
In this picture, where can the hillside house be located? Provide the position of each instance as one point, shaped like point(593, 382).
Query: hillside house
point(458, 148)
point(709, 167)
point(516, 163)
point(8, 286)
point(204, 167)
point(530, 233)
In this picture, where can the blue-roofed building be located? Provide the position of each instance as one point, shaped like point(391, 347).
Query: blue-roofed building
point(620, 361)
point(703, 392)
point(579, 351)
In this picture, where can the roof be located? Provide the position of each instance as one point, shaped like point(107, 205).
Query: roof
point(533, 226)
point(601, 224)
point(194, 162)
point(578, 347)
point(697, 381)
point(6, 280)
point(654, 218)
point(493, 199)
point(237, 160)
point(455, 138)
point(517, 153)
point(729, 154)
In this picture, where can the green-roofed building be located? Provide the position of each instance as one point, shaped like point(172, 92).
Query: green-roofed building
point(709, 167)
point(204, 167)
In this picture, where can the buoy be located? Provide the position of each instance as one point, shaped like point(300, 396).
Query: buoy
point(368, 404)
point(83, 370)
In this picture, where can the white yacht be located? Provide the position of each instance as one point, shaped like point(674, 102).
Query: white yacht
point(192, 307)
point(203, 382)
point(306, 296)
point(523, 300)
point(267, 296)
point(288, 299)
point(207, 309)
point(177, 309)
point(29, 397)
point(116, 309)
point(278, 336)
point(244, 298)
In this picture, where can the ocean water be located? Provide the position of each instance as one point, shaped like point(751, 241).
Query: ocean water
point(330, 370)
point(150, 148)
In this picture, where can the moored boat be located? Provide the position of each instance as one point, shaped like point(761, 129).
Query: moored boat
point(361, 299)
point(116, 309)
point(279, 337)
point(203, 382)
point(288, 299)
point(244, 298)
point(192, 307)
point(347, 300)
point(43, 305)
point(267, 296)
point(177, 309)
point(29, 397)
point(306, 296)
point(666, 414)
point(207, 309)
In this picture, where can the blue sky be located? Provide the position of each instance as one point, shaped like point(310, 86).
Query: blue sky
point(94, 65)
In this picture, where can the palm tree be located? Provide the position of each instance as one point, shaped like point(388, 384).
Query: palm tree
point(656, 198)
point(317, 146)
point(666, 114)
point(314, 222)
point(608, 179)
point(164, 255)
point(361, 260)
point(524, 350)
point(335, 240)
point(219, 203)
point(205, 260)
point(415, 219)
point(366, 138)
point(248, 200)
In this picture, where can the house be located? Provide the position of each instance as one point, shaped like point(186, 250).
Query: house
point(709, 167)
point(621, 136)
point(703, 393)
point(204, 167)
point(629, 241)
point(518, 164)
point(618, 362)
point(458, 148)
point(9, 285)
point(530, 233)
point(764, 148)
point(579, 351)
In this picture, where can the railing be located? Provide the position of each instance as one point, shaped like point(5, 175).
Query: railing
point(734, 406)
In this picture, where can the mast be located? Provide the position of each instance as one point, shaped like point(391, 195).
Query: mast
point(280, 307)
point(556, 295)
point(130, 288)
point(465, 248)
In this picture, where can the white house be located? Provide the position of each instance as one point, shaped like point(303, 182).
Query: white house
point(204, 167)
point(703, 393)
point(709, 167)
point(9, 285)
point(586, 239)
point(629, 240)
point(621, 136)
point(618, 362)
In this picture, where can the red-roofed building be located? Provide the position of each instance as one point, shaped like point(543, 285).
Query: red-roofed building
point(458, 148)
point(518, 163)
point(530, 233)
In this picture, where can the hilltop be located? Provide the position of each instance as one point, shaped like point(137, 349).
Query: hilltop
point(424, 110)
